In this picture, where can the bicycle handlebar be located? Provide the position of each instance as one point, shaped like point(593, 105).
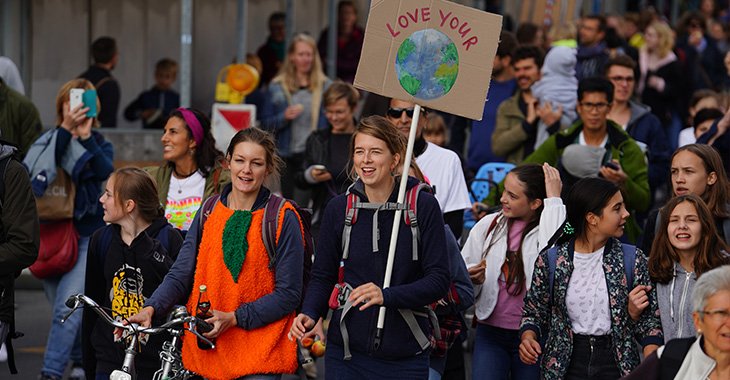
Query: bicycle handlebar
point(181, 318)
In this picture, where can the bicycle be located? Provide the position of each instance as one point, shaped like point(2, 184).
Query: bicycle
point(171, 366)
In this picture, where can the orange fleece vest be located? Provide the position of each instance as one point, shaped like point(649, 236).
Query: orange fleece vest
point(238, 352)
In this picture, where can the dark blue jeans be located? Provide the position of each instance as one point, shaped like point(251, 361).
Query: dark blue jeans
point(497, 356)
point(365, 367)
point(592, 359)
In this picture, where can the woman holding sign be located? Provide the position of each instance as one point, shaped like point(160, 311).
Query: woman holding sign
point(352, 256)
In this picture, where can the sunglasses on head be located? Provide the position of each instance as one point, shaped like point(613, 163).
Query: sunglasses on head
point(396, 113)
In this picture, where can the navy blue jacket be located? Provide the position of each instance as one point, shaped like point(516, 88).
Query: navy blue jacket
point(721, 143)
point(285, 298)
point(644, 127)
point(165, 101)
point(88, 186)
point(414, 284)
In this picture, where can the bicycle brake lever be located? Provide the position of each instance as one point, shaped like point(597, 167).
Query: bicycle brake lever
point(63, 320)
point(199, 335)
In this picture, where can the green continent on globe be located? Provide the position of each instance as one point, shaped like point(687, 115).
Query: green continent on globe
point(410, 83)
point(406, 48)
point(450, 54)
point(447, 76)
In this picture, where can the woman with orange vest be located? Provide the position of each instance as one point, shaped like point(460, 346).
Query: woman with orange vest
point(252, 306)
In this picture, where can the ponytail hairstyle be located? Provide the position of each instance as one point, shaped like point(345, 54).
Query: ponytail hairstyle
point(709, 251)
point(135, 184)
point(588, 195)
point(532, 177)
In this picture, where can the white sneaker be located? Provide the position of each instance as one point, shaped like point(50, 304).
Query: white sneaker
point(77, 373)
point(3, 353)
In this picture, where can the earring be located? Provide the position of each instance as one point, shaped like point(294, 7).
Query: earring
point(392, 173)
point(191, 152)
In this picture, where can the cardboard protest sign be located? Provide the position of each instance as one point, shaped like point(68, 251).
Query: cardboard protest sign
point(228, 119)
point(435, 53)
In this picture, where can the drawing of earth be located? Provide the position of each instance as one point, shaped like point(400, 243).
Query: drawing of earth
point(427, 64)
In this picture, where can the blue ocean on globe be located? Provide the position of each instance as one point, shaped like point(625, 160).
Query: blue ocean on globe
point(427, 64)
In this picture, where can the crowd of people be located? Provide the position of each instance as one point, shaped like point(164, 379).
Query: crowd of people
point(607, 257)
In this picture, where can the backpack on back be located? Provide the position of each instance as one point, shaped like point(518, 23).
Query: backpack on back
point(341, 292)
point(269, 227)
point(629, 256)
point(105, 239)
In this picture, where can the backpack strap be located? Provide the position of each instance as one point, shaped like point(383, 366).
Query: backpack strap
point(629, 263)
point(672, 357)
point(552, 262)
point(163, 236)
point(350, 219)
point(103, 243)
point(410, 217)
point(270, 225)
point(205, 211)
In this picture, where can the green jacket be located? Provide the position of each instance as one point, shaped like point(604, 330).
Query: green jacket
point(508, 138)
point(162, 174)
point(622, 148)
point(20, 122)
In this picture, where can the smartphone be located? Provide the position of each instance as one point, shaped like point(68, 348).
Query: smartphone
point(611, 164)
point(319, 167)
point(89, 99)
point(75, 97)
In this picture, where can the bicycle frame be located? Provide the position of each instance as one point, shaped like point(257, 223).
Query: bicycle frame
point(170, 357)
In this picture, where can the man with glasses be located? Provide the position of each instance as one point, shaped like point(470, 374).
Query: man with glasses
point(517, 117)
point(595, 146)
point(637, 120)
point(441, 166)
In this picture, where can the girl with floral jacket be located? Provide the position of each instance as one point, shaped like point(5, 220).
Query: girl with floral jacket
point(593, 318)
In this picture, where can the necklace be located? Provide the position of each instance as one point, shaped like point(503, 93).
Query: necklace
point(181, 176)
point(180, 183)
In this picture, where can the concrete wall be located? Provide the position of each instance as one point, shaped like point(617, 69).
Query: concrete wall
point(146, 31)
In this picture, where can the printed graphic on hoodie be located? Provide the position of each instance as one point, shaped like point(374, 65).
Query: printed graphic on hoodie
point(126, 294)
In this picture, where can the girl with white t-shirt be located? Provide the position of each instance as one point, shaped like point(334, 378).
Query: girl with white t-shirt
point(581, 302)
point(500, 254)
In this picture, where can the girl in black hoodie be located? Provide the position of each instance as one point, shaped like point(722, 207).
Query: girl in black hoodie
point(127, 261)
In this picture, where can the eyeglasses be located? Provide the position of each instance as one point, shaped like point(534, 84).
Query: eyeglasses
point(600, 107)
point(718, 315)
point(622, 79)
point(396, 113)
point(694, 25)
